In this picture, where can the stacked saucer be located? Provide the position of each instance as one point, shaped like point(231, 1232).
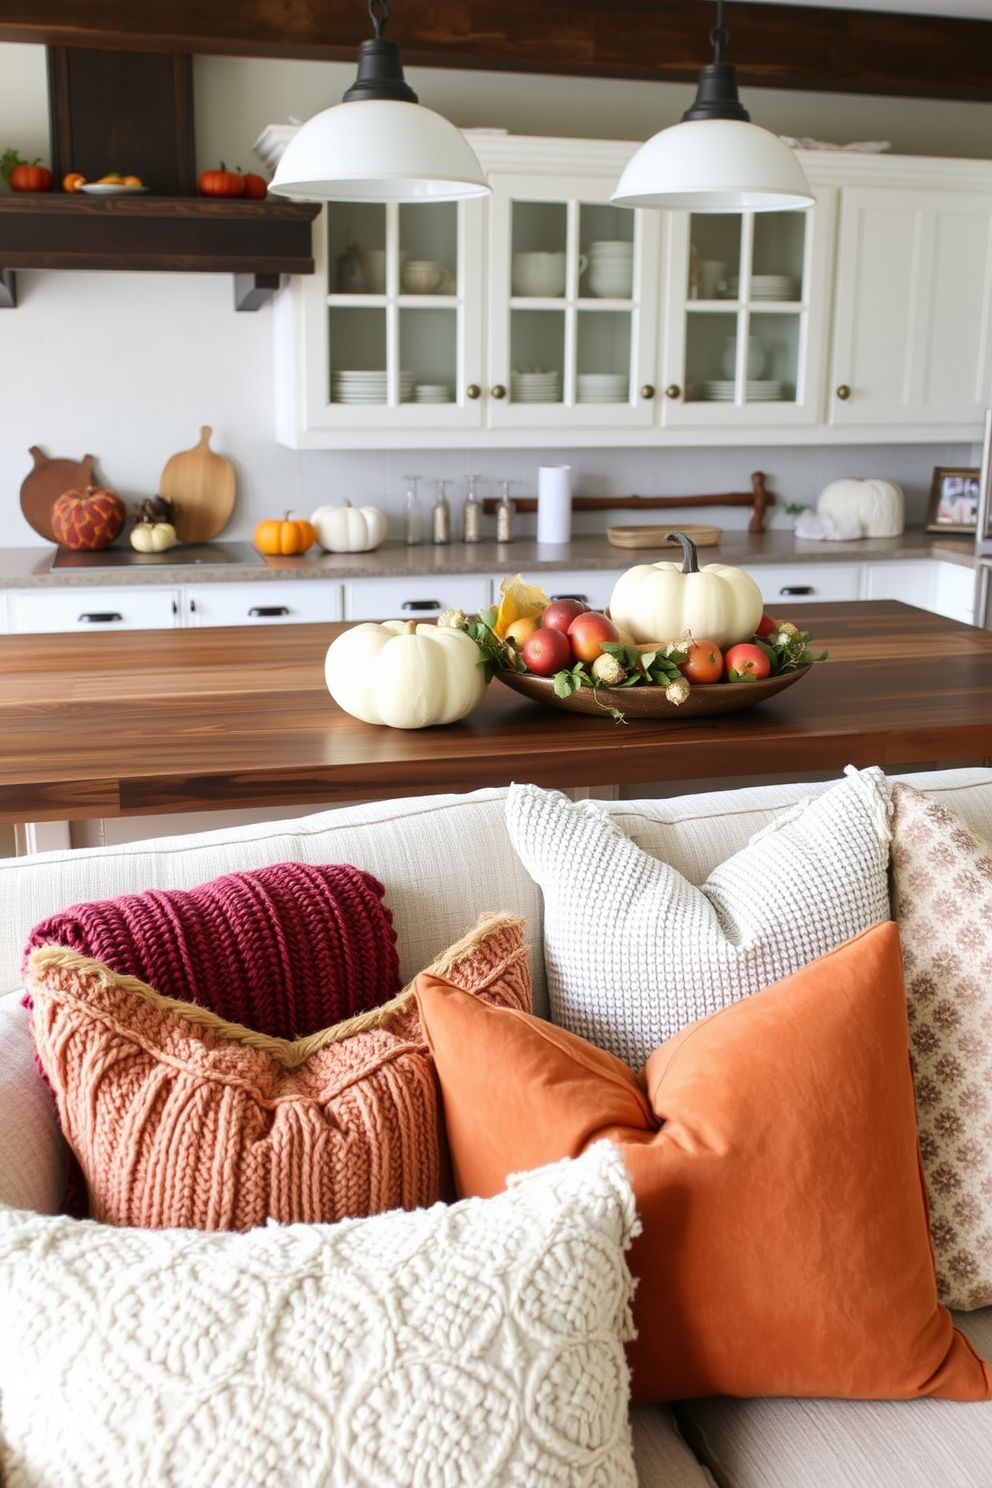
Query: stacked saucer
point(432, 392)
point(611, 266)
point(766, 287)
point(601, 387)
point(761, 390)
point(532, 385)
point(368, 387)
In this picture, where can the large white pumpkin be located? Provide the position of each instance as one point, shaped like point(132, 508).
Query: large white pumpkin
point(349, 529)
point(661, 601)
point(877, 505)
point(404, 674)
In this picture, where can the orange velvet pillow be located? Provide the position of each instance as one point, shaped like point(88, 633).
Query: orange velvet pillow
point(773, 1150)
point(180, 1118)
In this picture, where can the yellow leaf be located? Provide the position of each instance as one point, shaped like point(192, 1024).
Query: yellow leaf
point(519, 602)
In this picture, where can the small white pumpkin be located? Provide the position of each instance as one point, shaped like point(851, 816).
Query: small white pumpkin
point(877, 504)
point(404, 674)
point(349, 529)
point(661, 601)
point(152, 537)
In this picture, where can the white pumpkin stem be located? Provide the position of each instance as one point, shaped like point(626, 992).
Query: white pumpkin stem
point(409, 627)
point(346, 502)
point(690, 559)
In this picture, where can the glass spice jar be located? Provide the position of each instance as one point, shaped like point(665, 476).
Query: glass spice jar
point(441, 516)
point(505, 513)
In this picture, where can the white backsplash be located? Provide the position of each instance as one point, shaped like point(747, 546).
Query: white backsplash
point(127, 367)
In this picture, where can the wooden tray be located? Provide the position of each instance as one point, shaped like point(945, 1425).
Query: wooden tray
point(704, 700)
point(654, 537)
point(46, 483)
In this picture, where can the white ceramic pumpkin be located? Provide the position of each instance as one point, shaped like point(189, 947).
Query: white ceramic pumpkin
point(661, 601)
point(404, 674)
point(877, 504)
point(349, 529)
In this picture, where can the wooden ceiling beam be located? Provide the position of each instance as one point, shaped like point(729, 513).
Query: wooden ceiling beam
point(778, 46)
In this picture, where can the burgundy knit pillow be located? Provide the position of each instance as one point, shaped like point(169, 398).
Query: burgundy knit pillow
point(286, 950)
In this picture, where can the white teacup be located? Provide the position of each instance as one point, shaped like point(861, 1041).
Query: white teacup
point(538, 274)
point(422, 276)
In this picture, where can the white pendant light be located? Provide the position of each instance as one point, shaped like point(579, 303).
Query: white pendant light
point(379, 144)
point(715, 160)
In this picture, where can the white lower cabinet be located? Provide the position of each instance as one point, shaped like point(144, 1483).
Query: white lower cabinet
point(787, 584)
point(422, 597)
point(593, 587)
point(291, 602)
point(945, 588)
point(46, 611)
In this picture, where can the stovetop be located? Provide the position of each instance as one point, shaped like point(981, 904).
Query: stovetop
point(183, 555)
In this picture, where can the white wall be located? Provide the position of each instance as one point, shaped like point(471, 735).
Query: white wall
point(128, 366)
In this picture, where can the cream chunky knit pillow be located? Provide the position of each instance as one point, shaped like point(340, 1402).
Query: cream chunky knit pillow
point(471, 1345)
point(634, 951)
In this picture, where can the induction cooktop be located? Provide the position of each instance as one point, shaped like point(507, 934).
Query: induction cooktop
point(183, 555)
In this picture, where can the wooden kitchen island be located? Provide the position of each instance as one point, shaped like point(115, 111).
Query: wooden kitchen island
point(146, 722)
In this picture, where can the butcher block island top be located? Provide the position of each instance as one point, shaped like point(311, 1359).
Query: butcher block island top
point(191, 720)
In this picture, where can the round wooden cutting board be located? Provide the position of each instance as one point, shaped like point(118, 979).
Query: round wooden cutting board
point(49, 480)
point(202, 485)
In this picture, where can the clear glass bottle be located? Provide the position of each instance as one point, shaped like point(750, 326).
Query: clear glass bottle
point(414, 516)
point(505, 513)
point(472, 513)
point(441, 515)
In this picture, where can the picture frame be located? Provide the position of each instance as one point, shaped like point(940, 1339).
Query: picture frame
point(954, 494)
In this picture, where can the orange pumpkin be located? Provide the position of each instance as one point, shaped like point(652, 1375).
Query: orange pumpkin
point(291, 535)
point(88, 518)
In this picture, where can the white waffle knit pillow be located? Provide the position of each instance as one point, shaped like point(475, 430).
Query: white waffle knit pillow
point(634, 951)
point(480, 1343)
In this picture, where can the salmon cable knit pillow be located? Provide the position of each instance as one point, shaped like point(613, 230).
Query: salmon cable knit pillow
point(286, 949)
point(181, 1119)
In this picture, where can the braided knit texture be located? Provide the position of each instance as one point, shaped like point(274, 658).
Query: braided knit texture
point(286, 949)
point(181, 1118)
point(479, 1345)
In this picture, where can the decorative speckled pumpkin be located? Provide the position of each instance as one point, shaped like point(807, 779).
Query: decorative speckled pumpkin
point(88, 518)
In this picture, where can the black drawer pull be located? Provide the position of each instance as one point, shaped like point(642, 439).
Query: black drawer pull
point(798, 589)
point(99, 617)
point(267, 612)
point(582, 598)
point(421, 604)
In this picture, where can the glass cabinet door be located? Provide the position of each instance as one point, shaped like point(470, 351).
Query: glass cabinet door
point(746, 306)
point(392, 318)
point(572, 313)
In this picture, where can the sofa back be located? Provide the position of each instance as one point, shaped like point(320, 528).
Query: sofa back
point(444, 860)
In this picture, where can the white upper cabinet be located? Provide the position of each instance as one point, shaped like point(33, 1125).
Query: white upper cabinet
point(913, 307)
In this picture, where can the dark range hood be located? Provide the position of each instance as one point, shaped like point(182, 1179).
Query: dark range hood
point(183, 555)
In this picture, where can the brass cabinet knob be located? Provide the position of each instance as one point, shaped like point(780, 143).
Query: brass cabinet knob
point(473, 390)
point(673, 390)
point(499, 391)
point(843, 392)
point(647, 391)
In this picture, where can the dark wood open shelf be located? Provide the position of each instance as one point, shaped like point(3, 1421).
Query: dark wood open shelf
point(254, 240)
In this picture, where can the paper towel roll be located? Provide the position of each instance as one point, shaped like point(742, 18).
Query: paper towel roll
point(554, 504)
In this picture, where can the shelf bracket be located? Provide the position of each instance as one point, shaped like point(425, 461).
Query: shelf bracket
point(252, 290)
point(8, 290)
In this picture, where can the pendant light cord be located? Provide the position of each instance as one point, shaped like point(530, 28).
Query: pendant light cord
point(719, 36)
point(380, 13)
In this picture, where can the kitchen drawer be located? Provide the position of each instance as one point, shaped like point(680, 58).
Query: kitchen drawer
point(273, 603)
point(593, 586)
point(420, 598)
point(32, 611)
point(783, 585)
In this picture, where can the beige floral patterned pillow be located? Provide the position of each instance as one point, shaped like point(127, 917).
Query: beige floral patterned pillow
point(942, 902)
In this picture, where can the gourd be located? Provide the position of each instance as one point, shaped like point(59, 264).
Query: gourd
point(404, 674)
point(349, 529)
point(291, 535)
point(88, 518)
point(661, 601)
point(877, 504)
point(154, 530)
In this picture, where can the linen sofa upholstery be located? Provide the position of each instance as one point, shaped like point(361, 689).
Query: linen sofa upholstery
point(444, 860)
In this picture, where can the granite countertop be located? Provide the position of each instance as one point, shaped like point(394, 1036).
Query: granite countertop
point(31, 568)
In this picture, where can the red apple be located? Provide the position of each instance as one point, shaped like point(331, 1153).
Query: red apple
point(561, 612)
point(765, 626)
point(587, 633)
point(744, 661)
point(546, 652)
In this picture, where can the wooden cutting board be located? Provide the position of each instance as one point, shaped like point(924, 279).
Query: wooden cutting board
point(654, 537)
point(49, 480)
point(202, 485)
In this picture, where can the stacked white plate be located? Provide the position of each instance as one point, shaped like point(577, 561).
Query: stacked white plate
point(432, 392)
point(368, 387)
point(610, 269)
point(601, 387)
point(766, 287)
point(535, 386)
point(758, 391)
